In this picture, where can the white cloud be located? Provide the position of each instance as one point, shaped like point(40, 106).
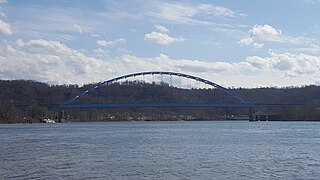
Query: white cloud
point(54, 23)
point(249, 41)
point(61, 23)
point(54, 62)
point(257, 45)
point(217, 11)
point(101, 52)
point(161, 28)
point(48, 61)
point(178, 13)
point(110, 43)
point(294, 65)
point(265, 32)
point(312, 1)
point(5, 28)
point(191, 14)
point(260, 34)
point(2, 14)
point(162, 37)
point(314, 48)
point(78, 28)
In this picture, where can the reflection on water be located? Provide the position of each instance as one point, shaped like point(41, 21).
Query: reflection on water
point(161, 150)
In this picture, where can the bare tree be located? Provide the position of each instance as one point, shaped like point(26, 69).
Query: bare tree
point(7, 112)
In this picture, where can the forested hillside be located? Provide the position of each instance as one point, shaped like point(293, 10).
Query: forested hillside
point(28, 101)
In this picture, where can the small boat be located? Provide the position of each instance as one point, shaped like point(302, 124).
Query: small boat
point(47, 120)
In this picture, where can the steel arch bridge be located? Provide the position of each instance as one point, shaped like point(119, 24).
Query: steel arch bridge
point(68, 104)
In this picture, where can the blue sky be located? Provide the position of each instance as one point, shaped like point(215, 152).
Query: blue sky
point(248, 43)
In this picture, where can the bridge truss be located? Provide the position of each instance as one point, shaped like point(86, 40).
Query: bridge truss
point(240, 102)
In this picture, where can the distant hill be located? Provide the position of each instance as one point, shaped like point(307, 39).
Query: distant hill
point(36, 94)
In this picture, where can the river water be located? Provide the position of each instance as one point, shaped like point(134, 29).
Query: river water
point(161, 150)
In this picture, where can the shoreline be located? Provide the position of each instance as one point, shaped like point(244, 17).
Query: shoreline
point(222, 120)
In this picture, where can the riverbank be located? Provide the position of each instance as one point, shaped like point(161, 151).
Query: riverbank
point(195, 120)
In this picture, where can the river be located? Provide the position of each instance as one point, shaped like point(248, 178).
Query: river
point(161, 150)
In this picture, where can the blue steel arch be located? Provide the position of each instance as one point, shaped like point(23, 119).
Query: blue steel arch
point(113, 80)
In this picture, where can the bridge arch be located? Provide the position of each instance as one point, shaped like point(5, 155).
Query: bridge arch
point(114, 80)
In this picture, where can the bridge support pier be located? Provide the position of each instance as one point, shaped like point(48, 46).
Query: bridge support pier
point(251, 114)
point(60, 115)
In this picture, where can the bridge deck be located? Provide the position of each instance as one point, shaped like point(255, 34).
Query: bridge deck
point(76, 106)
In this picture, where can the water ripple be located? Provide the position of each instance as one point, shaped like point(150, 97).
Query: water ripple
point(161, 150)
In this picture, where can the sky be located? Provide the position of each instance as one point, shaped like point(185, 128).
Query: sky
point(232, 43)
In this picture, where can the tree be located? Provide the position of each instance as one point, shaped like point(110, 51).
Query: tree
point(7, 113)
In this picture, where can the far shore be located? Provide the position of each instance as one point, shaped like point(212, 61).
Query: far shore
point(224, 120)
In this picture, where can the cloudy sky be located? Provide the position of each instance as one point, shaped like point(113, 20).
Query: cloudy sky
point(233, 43)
